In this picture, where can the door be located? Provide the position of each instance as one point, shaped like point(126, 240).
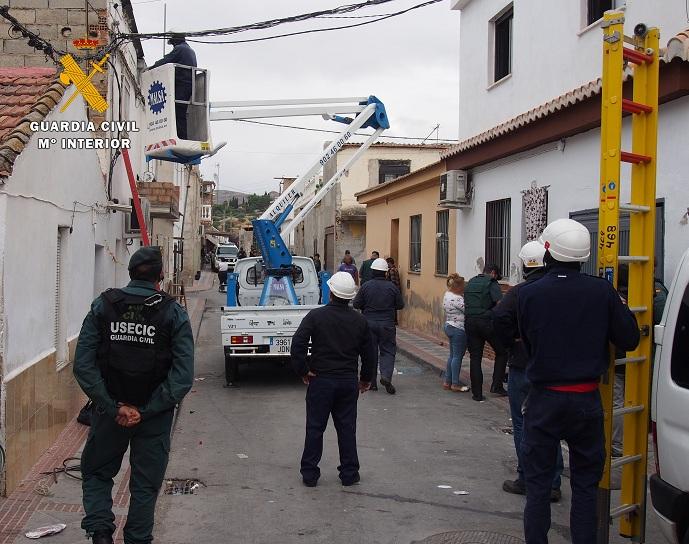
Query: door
point(395, 239)
point(329, 250)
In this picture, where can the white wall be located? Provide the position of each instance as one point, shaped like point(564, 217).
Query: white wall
point(551, 54)
point(572, 175)
point(38, 198)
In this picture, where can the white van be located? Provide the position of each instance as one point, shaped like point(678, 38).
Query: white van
point(225, 253)
point(670, 412)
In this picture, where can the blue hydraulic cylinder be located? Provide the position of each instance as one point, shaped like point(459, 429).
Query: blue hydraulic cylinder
point(325, 289)
point(232, 281)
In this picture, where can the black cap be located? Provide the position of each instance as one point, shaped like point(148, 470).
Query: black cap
point(146, 255)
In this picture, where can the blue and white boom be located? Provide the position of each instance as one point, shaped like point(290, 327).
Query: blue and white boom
point(277, 259)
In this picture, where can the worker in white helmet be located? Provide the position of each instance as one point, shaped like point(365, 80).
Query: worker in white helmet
point(518, 386)
point(379, 300)
point(567, 321)
point(338, 336)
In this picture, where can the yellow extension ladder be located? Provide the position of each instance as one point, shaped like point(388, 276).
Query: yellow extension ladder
point(641, 56)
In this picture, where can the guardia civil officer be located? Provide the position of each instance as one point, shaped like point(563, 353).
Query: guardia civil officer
point(379, 300)
point(567, 320)
point(135, 361)
point(338, 336)
point(518, 386)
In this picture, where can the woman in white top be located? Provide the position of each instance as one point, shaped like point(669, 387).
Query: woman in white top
point(453, 303)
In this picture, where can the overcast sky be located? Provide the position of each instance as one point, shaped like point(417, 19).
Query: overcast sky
point(411, 62)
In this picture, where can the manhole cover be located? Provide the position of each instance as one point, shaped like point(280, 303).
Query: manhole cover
point(471, 537)
point(182, 487)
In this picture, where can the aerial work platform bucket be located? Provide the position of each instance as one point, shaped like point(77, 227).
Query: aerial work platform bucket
point(161, 133)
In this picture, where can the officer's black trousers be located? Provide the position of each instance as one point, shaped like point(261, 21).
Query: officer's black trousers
point(479, 331)
point(551, 416)
point(101, 460)
point(326, 396)
point(385, 339)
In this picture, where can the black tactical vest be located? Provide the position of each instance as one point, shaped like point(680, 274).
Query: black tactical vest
point(477, 299)
point(135, 354)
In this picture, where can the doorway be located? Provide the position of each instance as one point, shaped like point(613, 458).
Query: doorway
point(395, 239)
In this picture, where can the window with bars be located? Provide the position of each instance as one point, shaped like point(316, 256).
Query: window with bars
point(415, 243)
point(389, 170)
point(502, 30)
point(498, 215)
point(442, 242)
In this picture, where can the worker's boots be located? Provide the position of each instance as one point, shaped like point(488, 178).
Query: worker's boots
point(101, 537)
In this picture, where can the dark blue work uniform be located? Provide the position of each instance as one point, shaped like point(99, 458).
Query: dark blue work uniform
point(339, 336)
point(182, 54)
point(379, 299)
point(518, 386)
point(567, 320)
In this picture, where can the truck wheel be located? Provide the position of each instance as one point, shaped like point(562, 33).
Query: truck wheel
point(231, 371)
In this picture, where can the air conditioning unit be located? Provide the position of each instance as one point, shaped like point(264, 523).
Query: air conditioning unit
point(454, 189)
point(131, 221)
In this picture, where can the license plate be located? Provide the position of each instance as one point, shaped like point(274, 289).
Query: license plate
point(280, 344)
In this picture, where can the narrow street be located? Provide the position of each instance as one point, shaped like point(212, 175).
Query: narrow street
point(244, 445)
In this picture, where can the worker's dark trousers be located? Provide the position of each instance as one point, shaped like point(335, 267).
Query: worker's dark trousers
point(479, 331)
point(551, 416)
point(101, 460)
point(336, 396)
point(385, 340)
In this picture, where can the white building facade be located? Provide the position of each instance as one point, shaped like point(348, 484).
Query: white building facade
point(530, 140)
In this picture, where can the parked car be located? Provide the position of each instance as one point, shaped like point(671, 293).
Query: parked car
point(670, 412)
point(225, 253)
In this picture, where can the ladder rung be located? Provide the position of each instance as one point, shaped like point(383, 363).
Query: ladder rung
point(635, 107)
point(634, 158)
point(633, 259)
point(624, 460)
point(634, 208)
point(623, 509)
point(638, 309)
point(637, 57)
point(627, 360)
point(627, 410)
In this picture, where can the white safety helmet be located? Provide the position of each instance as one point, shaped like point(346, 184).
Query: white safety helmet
point(567, 241)
point(380, 265)
point(342, 285)
point(532, 254)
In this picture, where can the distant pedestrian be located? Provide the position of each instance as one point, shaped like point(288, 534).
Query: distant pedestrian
point(241, 254)
point(453, 304)
point(365, 271)
point(379, 300)
point(223, 267)
point(393, 273)
point(317, 262)
point(481, 294)
point(346, 254)
point(135, 361)
point(338, 336)
point(349, 267)
point(567, 321)
point(518, 386)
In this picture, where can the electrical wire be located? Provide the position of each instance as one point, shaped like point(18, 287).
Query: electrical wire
point(318, 30)
point(279, 125)
point(261, 25)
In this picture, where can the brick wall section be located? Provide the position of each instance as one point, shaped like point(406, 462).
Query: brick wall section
point(160, 192)
point(49, 19)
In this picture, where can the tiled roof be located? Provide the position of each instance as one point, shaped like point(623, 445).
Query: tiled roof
point(26, 95)
point(397, 144)
point(677, 47)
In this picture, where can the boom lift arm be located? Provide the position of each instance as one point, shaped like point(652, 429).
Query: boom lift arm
point(370, 112)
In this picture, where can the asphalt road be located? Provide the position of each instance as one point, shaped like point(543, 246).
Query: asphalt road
point(432, 462)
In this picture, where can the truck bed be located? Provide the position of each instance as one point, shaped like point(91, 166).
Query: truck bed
point(260, 331)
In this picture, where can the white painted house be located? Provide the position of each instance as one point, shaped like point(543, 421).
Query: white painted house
point(529, 124)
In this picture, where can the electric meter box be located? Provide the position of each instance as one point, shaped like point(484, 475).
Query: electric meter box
point(161, 140)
